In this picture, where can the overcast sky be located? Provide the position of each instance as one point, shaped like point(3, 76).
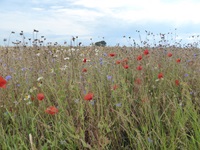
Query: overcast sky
point(59, 20)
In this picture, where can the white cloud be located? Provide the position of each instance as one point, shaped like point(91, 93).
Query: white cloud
point(91, 17)
point(38, 9)
point(176, 13)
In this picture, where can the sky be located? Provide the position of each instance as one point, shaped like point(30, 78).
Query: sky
point(109, 20)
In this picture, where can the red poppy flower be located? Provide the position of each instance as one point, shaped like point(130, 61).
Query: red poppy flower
point(138, 81)
point(139, 68)
point(84, 70)
point(126, 66)
point(40, 96)
point(177, 82)
point(178, 60)
point(89, 96)
point(118, 62)
point(169, 54)
point(139, 57)
point(52, 110)
point(112, 54)
point(2, 82)
point(146, 52)
point(125, 60)
point(84, 60)
point(160, 75)
point(115, 87)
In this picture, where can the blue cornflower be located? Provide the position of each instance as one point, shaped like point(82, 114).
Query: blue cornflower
point(23, 69)
point(150, 140)
point(118, 104)
point(109, 77)
point(8, 77)
point(101, 61)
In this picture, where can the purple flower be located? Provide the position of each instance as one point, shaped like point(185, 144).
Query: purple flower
point(101, 61)
point(8, 77)
point(109, 77)
point(23, 69)
point(118, 104)
point(150, 140)
point(186, 75)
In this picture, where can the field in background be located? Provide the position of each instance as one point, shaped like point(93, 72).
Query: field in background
point(103, 98)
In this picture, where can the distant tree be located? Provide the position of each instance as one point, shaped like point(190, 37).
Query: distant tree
point(100, 43)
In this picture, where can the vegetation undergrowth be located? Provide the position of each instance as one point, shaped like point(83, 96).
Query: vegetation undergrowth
point(99, 98)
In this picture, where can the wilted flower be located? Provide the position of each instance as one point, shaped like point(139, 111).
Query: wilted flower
point(40, 78)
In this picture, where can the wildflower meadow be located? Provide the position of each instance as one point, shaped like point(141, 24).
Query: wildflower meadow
point(92, 97)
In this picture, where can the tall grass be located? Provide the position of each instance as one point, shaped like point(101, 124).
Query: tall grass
point(149, 114)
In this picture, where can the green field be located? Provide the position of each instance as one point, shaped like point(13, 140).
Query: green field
point(137, 100)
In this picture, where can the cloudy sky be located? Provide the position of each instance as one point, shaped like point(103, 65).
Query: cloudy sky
point(59, 20)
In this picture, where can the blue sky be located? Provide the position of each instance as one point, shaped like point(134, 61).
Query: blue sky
point(59, 20)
